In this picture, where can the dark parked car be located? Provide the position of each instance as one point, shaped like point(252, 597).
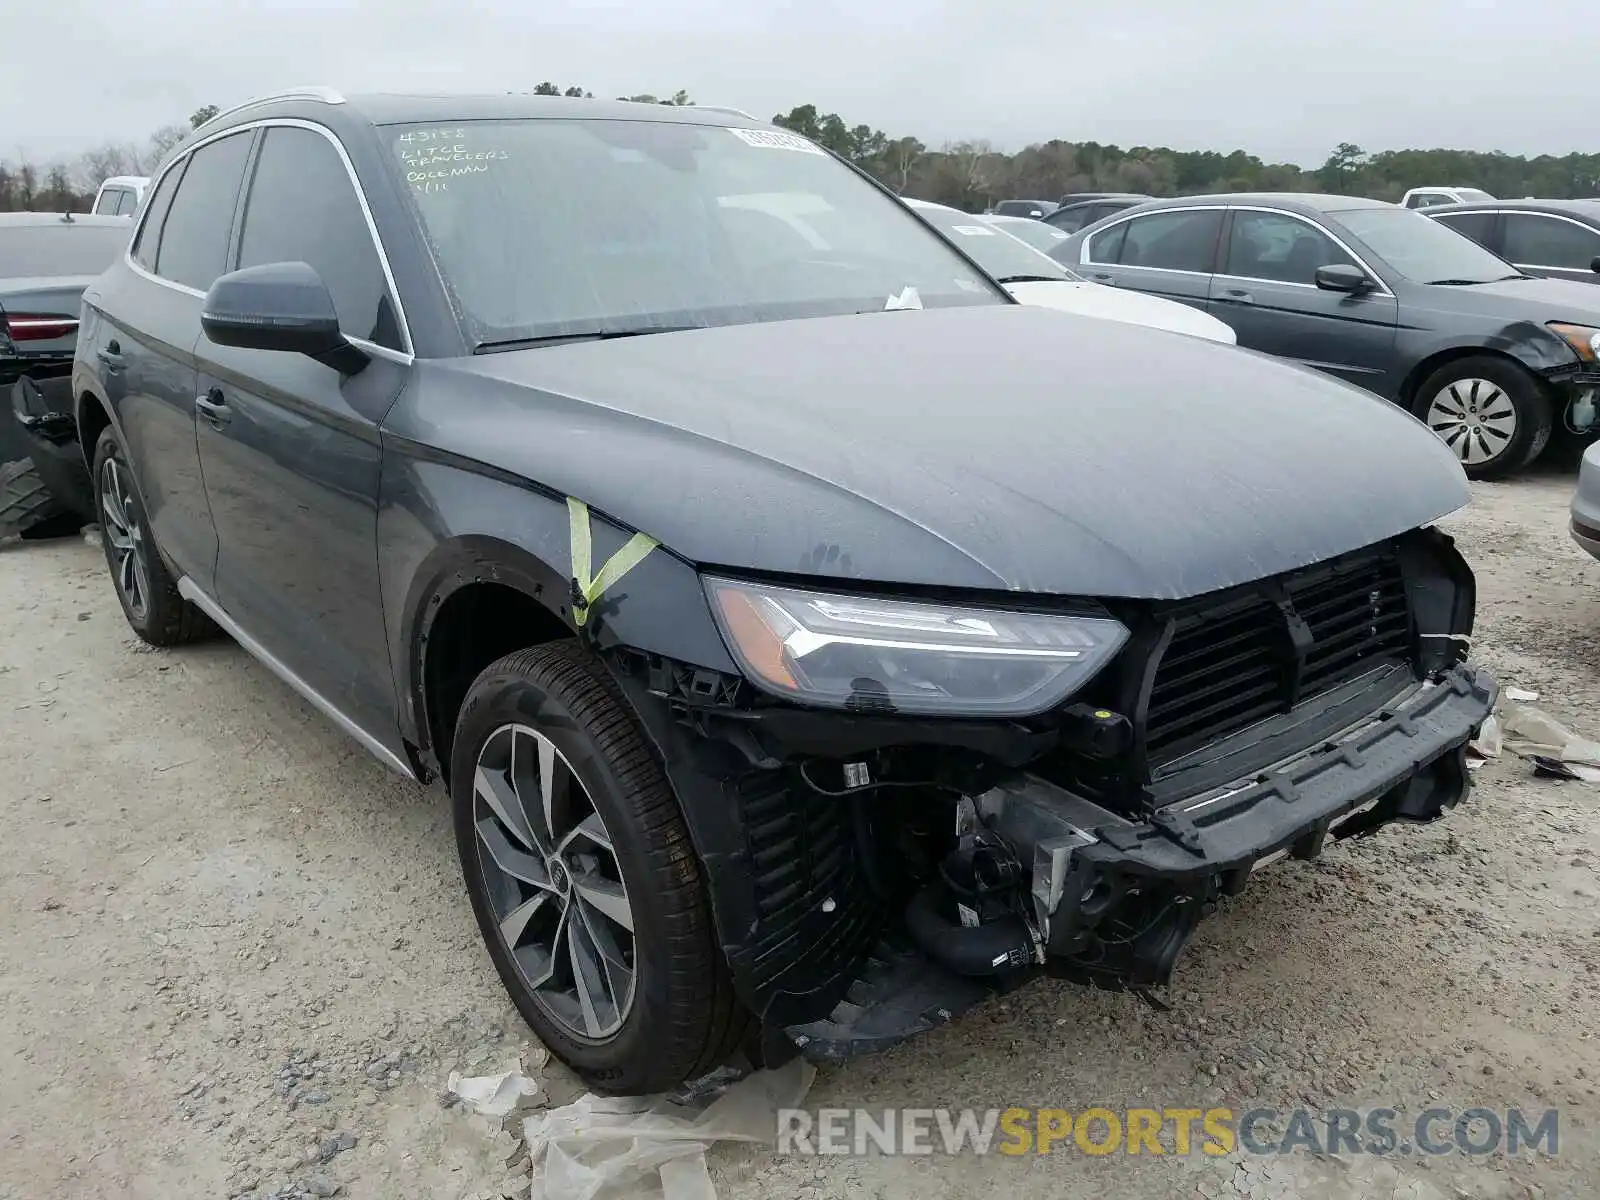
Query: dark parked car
point(1074, 215)
point(46, 259)
point(1558, 238)
point(1489, 357)
point(812, 640)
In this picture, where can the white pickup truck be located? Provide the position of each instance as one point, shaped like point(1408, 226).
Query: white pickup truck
point(1426, 197)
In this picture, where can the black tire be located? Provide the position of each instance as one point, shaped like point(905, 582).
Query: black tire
point(164, 618)
point(24, 500)
point(1529, 403)
point(684, 1018)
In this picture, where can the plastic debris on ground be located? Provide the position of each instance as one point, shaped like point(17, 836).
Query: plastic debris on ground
point(1552, 748)
point(1520, 695)
point(495, 1095)
point(1486, 745)
point(654, 1147)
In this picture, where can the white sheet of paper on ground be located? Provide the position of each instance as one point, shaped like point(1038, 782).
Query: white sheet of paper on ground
point(654, 1147)
point(494, 1095)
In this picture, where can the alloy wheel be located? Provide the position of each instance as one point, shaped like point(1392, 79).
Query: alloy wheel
point(1475, 418)
point(554, 882)
point(125, 537)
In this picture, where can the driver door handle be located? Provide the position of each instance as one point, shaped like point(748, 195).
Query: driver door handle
point(214, 408)
point(1237, 296)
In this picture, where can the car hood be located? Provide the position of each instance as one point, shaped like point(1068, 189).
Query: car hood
point(1535, 300)
point(991, 447)
point(1118, 304)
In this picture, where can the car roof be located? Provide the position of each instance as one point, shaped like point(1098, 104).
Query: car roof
point(12, 220)
point(124, 180)
point(1587, 209)
point(1304, 202)
point(405, 108)
point(1098, 197)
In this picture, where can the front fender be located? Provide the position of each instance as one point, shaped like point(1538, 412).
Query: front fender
point(444, 525)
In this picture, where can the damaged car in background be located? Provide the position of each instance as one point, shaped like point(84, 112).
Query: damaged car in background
point(46, 260)
point(1494, 360)
point(813, 640)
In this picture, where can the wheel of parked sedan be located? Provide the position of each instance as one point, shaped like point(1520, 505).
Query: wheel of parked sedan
point(1491, 412)
point(582, 876)
point(149, 594)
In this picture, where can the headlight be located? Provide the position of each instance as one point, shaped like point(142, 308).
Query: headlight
point(859, 652)
point(1584, 339)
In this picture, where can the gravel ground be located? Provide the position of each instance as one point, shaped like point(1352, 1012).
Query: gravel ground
point(236, 959)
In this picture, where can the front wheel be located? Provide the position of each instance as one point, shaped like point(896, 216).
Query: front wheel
point(1491, 412)
point(581, 874)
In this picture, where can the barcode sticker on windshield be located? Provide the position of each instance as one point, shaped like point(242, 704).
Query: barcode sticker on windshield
point(974, 230)
point(772, 139)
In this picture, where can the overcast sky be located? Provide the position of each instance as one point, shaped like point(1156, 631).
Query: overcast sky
point(1284, 80)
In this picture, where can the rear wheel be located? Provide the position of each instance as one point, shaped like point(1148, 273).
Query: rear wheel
point(146, 589)
point(1491, 412)
point(582, 877)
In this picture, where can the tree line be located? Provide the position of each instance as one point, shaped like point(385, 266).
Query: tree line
point(969, 174)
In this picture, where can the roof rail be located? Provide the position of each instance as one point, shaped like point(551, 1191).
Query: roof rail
point(722, 108)
point(325, 95)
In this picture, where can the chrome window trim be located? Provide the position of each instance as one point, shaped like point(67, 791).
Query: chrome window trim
point(1084, 259)
point(408, 353)
point(1382, 288)
point(1083, 250)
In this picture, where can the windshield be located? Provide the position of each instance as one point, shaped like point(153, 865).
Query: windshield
point(1043, 238)
point(60, 249)
point(993, 249)
point(1473, 194)
point(573, 228)
point(1422, 250)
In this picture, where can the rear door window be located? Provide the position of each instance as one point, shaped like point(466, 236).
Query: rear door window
point(303, 208)
point(194, 236)
point(1183, 239)
point(1535, 240)
point(1106, 246)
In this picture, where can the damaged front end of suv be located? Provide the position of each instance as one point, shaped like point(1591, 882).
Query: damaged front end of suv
point(939, 721)
point(904, 807)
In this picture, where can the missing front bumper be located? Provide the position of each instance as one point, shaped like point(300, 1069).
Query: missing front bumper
point(1110, 900)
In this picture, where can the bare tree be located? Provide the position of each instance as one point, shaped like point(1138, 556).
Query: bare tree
point(114, 158)
point(899, 158)
point(161, 143)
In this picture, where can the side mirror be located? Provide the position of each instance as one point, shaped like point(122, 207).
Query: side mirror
point(279, 306)
point(1342, 277)
point(1594, 264)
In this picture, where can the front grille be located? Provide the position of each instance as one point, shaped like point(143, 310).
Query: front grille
point(1249, 655)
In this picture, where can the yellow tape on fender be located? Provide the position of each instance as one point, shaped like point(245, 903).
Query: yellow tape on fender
point(587, 590)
